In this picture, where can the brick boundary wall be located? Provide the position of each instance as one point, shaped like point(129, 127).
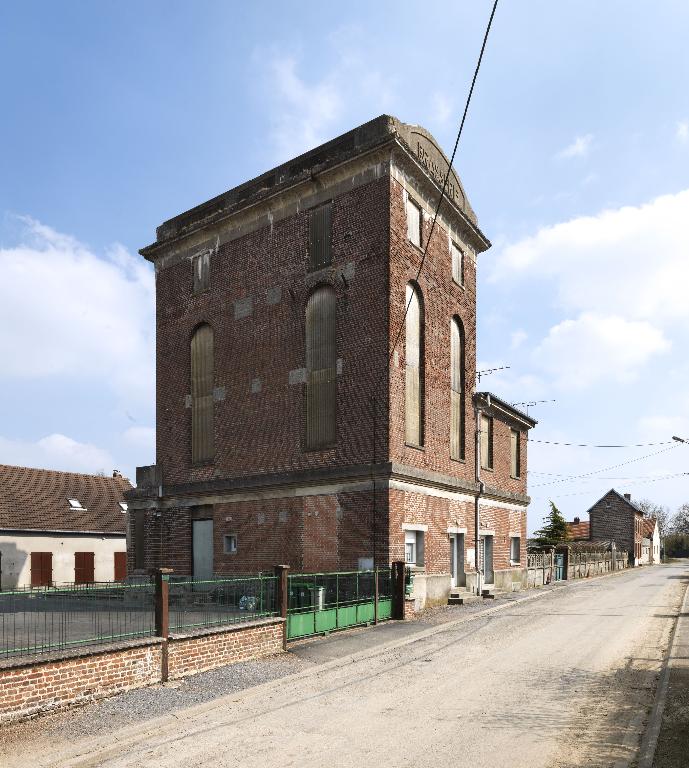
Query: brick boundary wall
point(40, 684)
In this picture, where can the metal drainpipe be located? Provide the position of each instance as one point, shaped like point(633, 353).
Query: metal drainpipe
point(477, 462)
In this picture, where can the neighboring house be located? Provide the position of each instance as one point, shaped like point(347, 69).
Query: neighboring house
point(615, 517)
point(315, 401)
point(61, 527)
point(650, 547)
point(579, 530)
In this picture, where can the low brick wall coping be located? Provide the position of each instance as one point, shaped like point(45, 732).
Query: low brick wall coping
point(21, 662)
point(225, 628)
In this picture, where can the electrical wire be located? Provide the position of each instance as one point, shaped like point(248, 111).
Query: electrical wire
point(633, 482)
point(447, 176)
point(592, 445)
point(605, 469)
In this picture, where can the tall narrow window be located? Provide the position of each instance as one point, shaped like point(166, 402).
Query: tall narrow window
point(414, 352)
point(486, 442)
point(202, 394)
point(320, 237)
point(321, 368)
point(457, 409)
point(201, 267)
point(457, 264)
point(414, 222)
point(515, 469)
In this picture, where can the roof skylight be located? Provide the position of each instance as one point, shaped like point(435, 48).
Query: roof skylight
point(75, 504)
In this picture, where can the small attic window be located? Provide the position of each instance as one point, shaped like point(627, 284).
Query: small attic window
point(75, 504)
point(123, 505)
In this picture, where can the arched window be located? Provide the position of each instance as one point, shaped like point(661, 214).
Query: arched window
point(413, 404)
point(457, 389)
point(321, 368)
point(202, 439)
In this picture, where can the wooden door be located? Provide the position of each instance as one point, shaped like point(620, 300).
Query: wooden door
point(41, 569)
point(84, 567)
point(120, 566)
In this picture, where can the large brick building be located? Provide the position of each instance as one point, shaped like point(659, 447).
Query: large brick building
point(303, 416)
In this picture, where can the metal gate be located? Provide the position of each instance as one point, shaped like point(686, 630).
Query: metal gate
point(559, 566)
point(325, 602)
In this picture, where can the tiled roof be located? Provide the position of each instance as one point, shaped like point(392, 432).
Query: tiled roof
point(38, 499)
point(649, 527)
point(581, 530)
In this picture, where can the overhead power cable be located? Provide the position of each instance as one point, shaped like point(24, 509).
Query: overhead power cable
point(593, 445)
point(447, 175)
point(606, 469)
point(633, 482)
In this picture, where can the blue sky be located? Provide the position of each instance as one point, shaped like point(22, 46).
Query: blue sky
point(118, 115)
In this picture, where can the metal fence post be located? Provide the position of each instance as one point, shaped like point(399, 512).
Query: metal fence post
point(281, 571)
point(398, 579)
point(375, 596)
point(162, 616)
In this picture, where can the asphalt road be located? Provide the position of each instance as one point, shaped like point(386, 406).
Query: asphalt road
point(564, 679)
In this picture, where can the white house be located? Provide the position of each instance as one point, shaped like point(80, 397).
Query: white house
point(61, 527)
point(650, 545)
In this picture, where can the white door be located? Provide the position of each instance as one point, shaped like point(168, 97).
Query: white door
point(202, 549)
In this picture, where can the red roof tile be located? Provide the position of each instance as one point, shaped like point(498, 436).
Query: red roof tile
point(38, 499)
point(649, 527)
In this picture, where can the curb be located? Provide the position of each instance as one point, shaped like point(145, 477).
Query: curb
point(649, 741)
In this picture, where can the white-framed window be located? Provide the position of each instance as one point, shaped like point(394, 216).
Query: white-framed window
point(413, 547)
point(515, 545)
point(230, 543)
point(414, 221)
point(457, 263)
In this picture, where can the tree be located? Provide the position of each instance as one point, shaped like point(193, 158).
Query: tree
point(554, 530)
point(660, 512)
point(680, 522)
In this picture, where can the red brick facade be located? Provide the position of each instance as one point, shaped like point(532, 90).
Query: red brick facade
point(345, 506)
point(616, 518)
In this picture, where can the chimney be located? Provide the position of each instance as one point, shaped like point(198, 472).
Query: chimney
point(116, 473)
point(577, 520)
point(628, 496)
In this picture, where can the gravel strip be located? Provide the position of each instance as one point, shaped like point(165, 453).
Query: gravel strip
point(154, 701)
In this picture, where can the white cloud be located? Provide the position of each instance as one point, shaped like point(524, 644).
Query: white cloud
point(141, 437)
point(682, 131)
point(517, 338)
point(578, 353)
point(580, 147)
point(306, 108)
point(631, 261)
point(442, 108)
point(56, 451)
point(77, 315)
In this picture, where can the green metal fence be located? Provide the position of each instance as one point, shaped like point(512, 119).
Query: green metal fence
point(43, 619)
point(325, 602)
point(213, 603)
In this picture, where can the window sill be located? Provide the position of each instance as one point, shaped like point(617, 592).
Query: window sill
point(321, 448)
point(459, 285)
point(204, 463)
point(515, 563)
point(515, 477)
point(414, 446)
point(487, 469)
point(459, 461)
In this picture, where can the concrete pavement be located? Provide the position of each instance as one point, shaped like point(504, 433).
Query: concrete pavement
point(564, 680)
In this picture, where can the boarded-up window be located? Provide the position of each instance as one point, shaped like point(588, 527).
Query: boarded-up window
point(486, 442)
point(457, 409)
point(202, 394)
point(321, 368)
point(320, 237)
point(414, 222)
point(201, 266)
point(41, 569)
point(120, 566)
point(414, 351)
point(457, 264)
point(84, 567)
point(515, 468)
